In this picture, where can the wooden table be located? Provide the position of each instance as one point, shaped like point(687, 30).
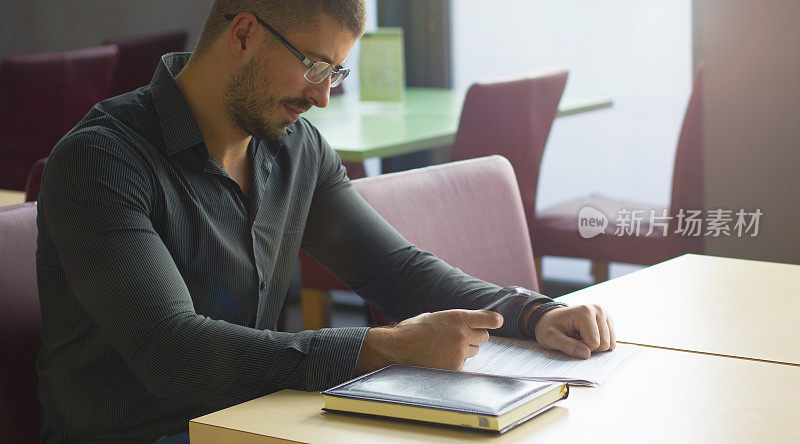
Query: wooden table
point(10, 197)
point(661, 396)
point(426, 119)
point(731, 307)
point(744, 310)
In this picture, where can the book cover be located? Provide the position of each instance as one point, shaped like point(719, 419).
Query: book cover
point(461, 399)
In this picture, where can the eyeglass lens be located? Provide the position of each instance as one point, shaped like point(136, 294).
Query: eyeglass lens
point(320, 70)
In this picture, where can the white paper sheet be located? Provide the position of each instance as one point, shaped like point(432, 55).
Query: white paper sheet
point(526, 359)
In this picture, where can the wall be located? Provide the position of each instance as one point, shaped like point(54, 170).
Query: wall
point(752, 120)
point(31, 26)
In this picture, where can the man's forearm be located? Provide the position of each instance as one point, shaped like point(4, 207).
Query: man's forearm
point(443, 339)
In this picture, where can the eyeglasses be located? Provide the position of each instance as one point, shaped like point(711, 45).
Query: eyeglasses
point(317, 71)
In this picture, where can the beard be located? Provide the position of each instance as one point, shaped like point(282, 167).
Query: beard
point(252, 109)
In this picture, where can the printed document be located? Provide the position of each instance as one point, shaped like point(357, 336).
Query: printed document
point(528, 360)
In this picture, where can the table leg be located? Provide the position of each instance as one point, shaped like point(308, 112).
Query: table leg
point(599, 271)
point(372, 166)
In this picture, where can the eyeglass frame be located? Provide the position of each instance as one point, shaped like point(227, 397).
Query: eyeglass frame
point(306, 61)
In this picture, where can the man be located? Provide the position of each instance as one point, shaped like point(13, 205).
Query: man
point(170, 220)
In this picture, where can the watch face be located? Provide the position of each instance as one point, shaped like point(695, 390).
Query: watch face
point(523, 290)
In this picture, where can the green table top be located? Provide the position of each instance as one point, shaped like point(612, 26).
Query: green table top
point(427, 118)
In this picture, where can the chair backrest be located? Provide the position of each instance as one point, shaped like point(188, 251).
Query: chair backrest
point(34, 183)
point(467, 213)
point(20, 323)
point(337, 90)
point(41, 98)
point(687, 176)
point(511, 118)
point(139, 56)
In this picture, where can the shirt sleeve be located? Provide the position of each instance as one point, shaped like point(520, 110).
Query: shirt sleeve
point(96, 207)
point(347, 236)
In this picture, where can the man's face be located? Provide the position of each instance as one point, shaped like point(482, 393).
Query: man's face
point(268, 93)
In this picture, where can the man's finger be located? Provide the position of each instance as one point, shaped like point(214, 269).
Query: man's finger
point(605, 334)
point(613, 333)
point(570, 346)
point(472, 351)
point(481, 318)
point(478, 336)
point(588, 329)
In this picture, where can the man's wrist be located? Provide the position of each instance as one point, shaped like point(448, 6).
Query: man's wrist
point(375, 350)
point(534, 300)
point(537, 313)
point(523, 318)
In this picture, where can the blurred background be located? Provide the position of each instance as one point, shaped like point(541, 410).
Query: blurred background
point(641, 54)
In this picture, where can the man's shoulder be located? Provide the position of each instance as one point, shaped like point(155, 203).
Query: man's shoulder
point(125, 123)
point(302, 127)
point(304, 132)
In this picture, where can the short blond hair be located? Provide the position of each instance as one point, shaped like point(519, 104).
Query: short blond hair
point(283, 15)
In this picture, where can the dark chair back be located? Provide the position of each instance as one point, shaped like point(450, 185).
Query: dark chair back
point(34, 183)
point(42, 97)
point(511, 118)
point(687, 176)
point(139, 56)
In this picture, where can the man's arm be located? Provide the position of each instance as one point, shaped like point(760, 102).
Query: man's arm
point(96, 204)
point(446, 339)
point(347, 236)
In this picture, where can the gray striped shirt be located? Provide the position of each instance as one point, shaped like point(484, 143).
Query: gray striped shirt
point(161, 282)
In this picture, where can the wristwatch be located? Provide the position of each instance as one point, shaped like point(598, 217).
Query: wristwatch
point(530, 297)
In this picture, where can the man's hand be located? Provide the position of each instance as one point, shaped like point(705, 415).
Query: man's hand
point(443, 339)
point(577, 331)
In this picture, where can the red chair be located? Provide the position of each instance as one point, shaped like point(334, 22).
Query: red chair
point(355, 170)
point(478, 203)
point(337, 90)
point(41, 98)
point(139, 56)
point(513, 119)
point(34, 183)
point(20, 323)
point(556, 231)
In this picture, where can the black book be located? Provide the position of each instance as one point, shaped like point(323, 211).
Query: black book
point(471, 400)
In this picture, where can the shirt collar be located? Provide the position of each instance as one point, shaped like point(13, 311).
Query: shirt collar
point(174, 115)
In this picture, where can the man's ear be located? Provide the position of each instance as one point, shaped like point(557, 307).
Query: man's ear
point(241, 33)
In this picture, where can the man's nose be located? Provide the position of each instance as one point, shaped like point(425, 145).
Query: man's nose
point(319, 94)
